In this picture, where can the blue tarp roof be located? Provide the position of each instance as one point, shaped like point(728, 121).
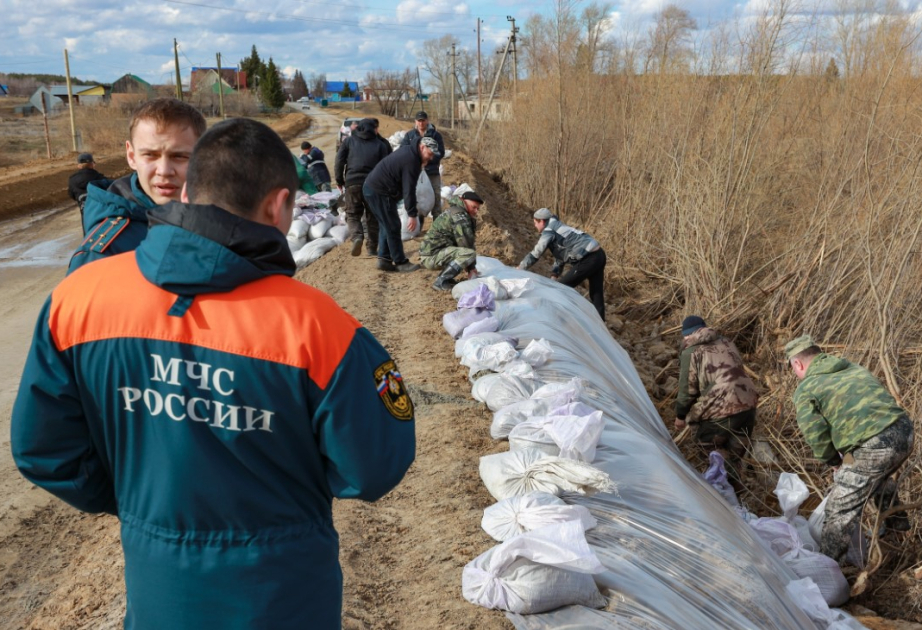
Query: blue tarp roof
point(337, 86)
point(4, 89)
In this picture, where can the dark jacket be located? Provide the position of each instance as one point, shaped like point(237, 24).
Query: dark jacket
point(76, 183)
point(396, 176)
point(313, 162)
point(114, 219)
point(358, 155)
point(412, 139)
point(217, 407)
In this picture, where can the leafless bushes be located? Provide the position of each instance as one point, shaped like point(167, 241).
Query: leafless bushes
point(772, 198)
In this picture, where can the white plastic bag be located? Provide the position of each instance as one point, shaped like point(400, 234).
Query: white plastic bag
point(313, 251)
point(489, 357)
point(517, 515)
point(529, 470)
point(463, 344)
point(570, 437)
point(456, 321)
point(716, 475)
point(519, 368)
point(487, 324)
point(405, 233)
point(481, 297)
point(425, 196)
point(806, 595)
point(508, 389)
point(537, 352)
point(535, 572)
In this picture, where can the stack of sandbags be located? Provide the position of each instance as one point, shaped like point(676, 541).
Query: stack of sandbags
point(314, 229)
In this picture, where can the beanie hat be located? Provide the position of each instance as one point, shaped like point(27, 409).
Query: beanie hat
point(690, 324)
point(543, 214)
point(796, 346)
point(471, 196)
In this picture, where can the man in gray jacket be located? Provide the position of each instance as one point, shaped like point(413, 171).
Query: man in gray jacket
point(570, 247)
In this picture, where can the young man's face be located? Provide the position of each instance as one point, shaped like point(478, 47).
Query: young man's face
point(472, 207)
point(421, 126)
point(539, 224)
point(160, 157)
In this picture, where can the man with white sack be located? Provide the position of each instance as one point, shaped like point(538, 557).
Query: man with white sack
point(852, 423)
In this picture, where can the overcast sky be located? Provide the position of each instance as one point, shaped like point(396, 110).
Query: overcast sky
point(108, 38)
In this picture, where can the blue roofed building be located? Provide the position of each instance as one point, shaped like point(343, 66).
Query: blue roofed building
point(334, 90)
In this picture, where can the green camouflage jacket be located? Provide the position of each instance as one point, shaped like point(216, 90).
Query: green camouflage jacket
point(712, 381)
point(840, 405)
point(453, 228)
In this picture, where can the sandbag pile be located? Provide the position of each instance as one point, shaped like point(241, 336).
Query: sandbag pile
point(315, 230)
point(673, 552)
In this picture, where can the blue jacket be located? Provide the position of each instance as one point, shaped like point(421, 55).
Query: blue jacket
point(114, 219)
point(313, 162)
point(217, 412)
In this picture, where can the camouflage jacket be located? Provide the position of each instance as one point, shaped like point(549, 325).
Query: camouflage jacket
point(840, 405)
point(712, 381)
point(453, 228)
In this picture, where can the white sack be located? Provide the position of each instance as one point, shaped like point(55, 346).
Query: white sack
point(519, 368)
point(456, 321)
point(396, 139)
point(517, 515)
point(535, 572)
point(339, 233)
point(537, 352)
point(295, 243)
point(313, 251)
point(481, 339)
point(425, 196)
point(489, 357)
point(520, 472)
point(483, 385)
point(806, 595)
point(299, 229)
point(319, 229)
point(485, 325)
point(508, 389)
point(570, 437)
point(544, 401)
point(405, 233)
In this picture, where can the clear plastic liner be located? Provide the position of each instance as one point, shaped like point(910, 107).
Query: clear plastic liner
point(676, 555)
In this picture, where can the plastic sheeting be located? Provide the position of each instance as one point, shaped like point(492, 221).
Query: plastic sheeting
point(675, 554)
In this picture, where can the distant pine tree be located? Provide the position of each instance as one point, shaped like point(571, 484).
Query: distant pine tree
point(254, 67)
point(298, 85)
point(270, 87)
point(347, 90)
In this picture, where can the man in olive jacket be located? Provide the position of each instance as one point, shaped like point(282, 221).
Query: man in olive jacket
point(852, 423)
point(716, 394)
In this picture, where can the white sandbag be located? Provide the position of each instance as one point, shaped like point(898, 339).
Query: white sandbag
point(520, 472)
point(537, 352)
point(570, 437)
point(319, 229)
point(519, 368)
point(517, 515)
point(791, 493)
point(485, 325)
point(397, 139)
point(806, 595)
point(445, 192)
point(456, 321)
point(483, 385)
point(325, 197)
point(481, 297)
point(508, 389)
point(489, 357)
point(406, 233)
point(313, 251)
point(535, 572)
point(481, 339)
point(425, 195)
point(515, 287)
point(784, 540)
point(299, 229)
point(295, 243)
point(339, 233)
point(716, 475)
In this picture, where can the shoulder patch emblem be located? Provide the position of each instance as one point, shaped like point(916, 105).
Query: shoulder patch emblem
point(392, 391)
point(106, 232)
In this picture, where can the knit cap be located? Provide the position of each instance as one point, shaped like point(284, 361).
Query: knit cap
point(690, 324)
point(543, 214)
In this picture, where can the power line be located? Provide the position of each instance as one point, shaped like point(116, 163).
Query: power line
point(367, 8)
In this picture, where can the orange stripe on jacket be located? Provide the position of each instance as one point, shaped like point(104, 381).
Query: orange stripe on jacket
point(275, 319)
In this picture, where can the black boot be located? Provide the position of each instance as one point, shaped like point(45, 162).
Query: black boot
point(446, 279)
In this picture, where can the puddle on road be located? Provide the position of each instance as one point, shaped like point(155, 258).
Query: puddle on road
point(20, 248)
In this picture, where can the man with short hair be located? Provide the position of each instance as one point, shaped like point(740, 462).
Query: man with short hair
point(312, 159)
point(219, 408)
point(394, 177)
point(573, 247)
point(422, 128)
point(161, 135)
point(356, 158)
point(77, 183)
point(715, 394)
point(852, 423)
point(449, 243)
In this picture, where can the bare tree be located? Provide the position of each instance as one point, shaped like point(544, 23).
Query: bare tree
point(593, 25)
point(388, 87)
point(318, 84)
point(670, 41)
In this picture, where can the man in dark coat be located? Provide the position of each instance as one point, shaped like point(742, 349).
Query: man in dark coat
point(425, 129)
point(394, 177)
point(86, 173)
point(357, 156)
point(312, 159)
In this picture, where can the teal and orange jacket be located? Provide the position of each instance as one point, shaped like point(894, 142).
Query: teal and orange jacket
point(114, 220)
point(216, 406)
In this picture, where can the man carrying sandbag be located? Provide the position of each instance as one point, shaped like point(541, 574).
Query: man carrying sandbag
point(851, 422)
point(449, 243)
point(715, 394)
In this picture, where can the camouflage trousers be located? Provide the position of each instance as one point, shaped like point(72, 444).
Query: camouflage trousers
point(864, 474)
point(359, 216)
point(729, 436)
point(461, 255)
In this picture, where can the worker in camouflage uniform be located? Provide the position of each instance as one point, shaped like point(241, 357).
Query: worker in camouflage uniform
point(852, 423)
point(449, 243)
point(716, 394)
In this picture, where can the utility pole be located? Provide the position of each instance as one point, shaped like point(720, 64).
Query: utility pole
point(452, 104)
point(220, 89)
point(176, 61)
point(499, 72)
point(515, 63)
point(70, 101)
point(479, 74)
point(45, 107)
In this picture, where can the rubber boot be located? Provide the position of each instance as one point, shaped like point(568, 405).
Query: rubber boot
point(446, 281)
